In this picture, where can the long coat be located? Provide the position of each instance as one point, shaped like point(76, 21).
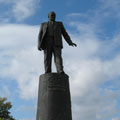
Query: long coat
point(59, 30)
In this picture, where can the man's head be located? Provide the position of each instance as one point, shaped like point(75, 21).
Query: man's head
point(52, 16)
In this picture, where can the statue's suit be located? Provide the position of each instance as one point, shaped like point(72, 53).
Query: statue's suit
point(52, 44)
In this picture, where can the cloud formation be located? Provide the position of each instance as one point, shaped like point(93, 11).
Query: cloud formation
point(18, 44)
point(20, 9)
point(4, 91)
point(95, 66)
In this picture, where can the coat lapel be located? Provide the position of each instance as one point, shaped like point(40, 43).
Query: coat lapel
point(46, 26)
point(55, 25)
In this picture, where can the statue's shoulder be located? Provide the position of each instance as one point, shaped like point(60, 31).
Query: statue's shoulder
point(59, 22)
point(44, 23)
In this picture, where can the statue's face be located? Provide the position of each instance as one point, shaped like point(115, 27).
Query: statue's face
point(52, 16)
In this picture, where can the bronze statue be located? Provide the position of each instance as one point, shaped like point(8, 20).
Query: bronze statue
point(50, 40)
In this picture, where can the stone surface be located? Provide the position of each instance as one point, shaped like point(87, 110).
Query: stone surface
point(54, 101)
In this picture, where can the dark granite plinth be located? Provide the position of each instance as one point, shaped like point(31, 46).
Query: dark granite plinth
point(54, 97)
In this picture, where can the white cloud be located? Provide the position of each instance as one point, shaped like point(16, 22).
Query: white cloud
point(88, 98)
point(5, 92)
point(109, 8)
point(95, 63)
point(21, 9)
point(112, 4)
point(116, 119)
point(19, 45)
point(24, 8)
point(76, 15)
point(98, 63)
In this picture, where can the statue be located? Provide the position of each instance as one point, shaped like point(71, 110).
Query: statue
point(54, 100)
point(50, 41)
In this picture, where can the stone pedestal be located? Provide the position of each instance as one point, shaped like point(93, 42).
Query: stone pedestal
point(54, 97)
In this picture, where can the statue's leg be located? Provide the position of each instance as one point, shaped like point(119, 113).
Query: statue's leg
point(58, 59)
point(47, 59)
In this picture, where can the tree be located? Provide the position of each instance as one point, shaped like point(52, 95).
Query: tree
point(4, 109)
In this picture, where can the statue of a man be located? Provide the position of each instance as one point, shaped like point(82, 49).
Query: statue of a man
point(50, 40)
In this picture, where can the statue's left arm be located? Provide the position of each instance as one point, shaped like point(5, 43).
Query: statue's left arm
point(66, 36)
point(40, 37)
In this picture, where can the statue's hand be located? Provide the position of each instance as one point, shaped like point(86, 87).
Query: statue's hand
point(73, 44)
point(40, 49)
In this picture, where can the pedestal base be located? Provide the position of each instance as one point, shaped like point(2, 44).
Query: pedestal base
point(54, 97)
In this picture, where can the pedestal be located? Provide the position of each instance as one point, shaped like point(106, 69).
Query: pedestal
point(54, 101)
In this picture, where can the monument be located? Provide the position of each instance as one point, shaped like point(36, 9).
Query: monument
point(54, 102)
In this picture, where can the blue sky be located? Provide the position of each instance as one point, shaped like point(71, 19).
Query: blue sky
point(93, 66)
